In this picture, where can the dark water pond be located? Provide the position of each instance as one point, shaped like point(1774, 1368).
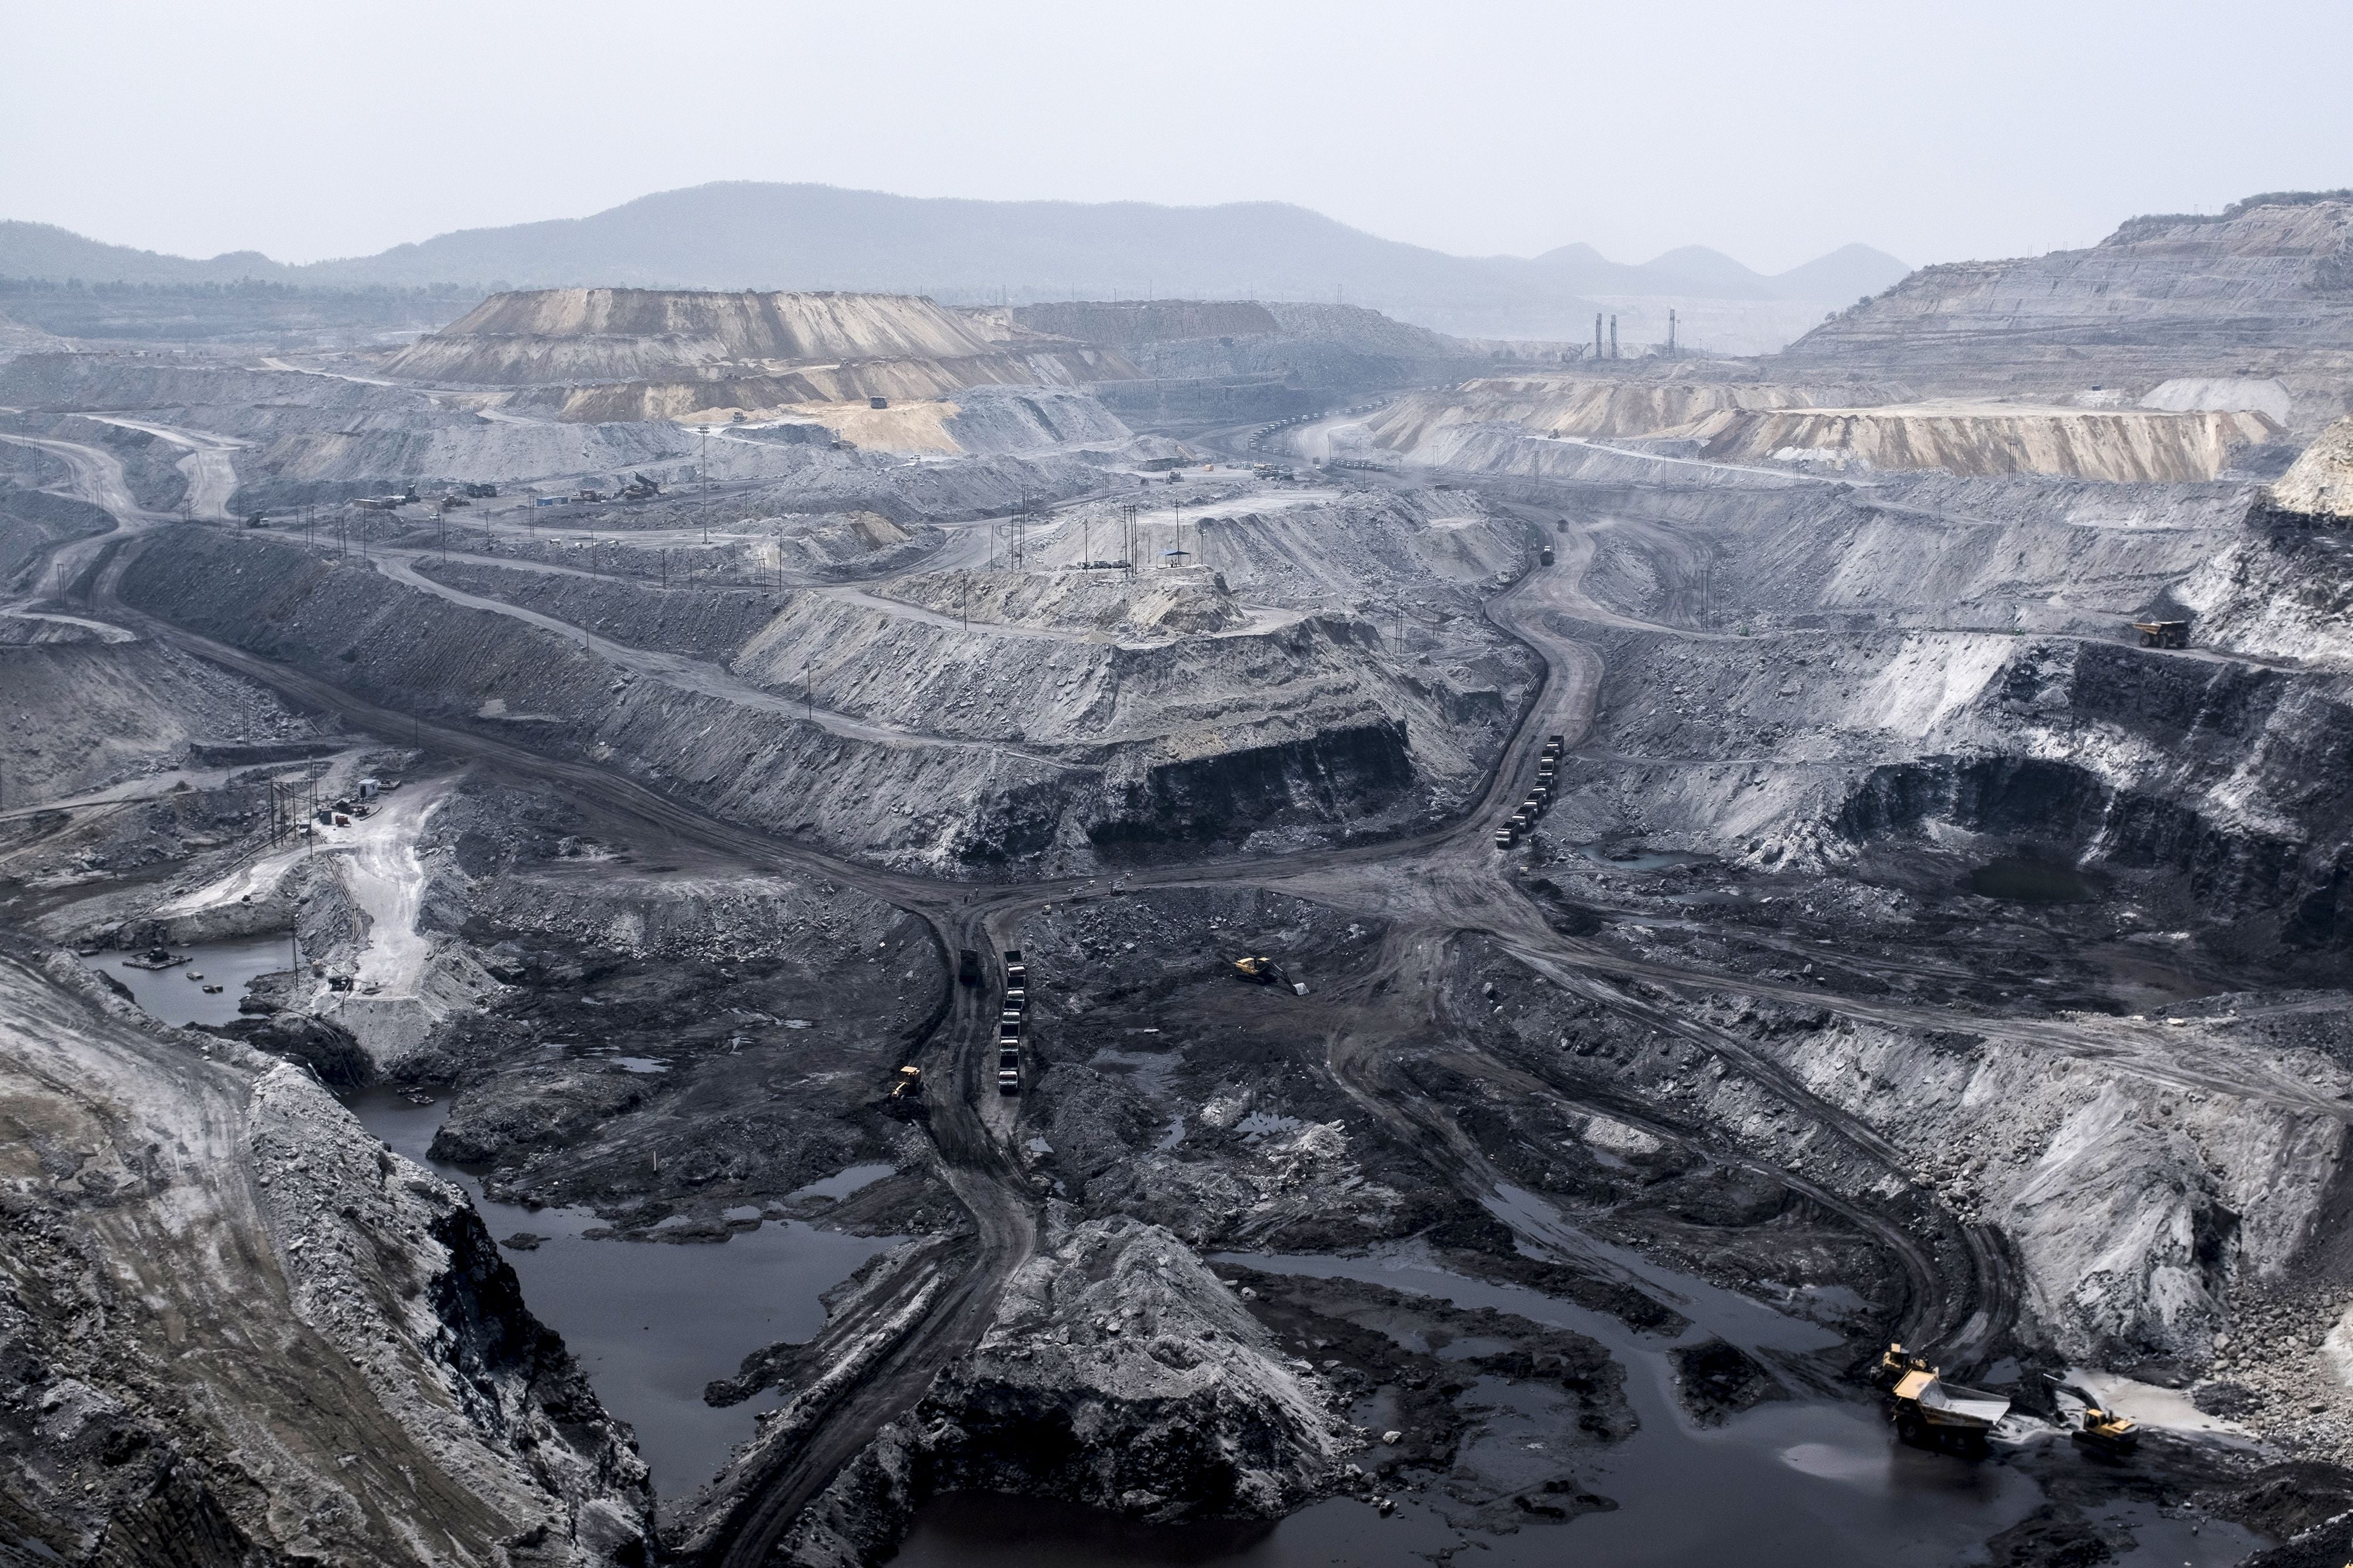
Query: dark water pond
point(653, 1322)
point(1794, 1484)
point(176, 995)
point(2024, 881)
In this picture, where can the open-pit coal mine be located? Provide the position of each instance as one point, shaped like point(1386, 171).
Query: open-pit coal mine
point(649, 926)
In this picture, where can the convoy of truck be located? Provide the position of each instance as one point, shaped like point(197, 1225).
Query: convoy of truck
point(1012, 1019)
point(1540, 795)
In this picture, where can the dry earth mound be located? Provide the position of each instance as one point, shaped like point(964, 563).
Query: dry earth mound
point(624, 354)
point(1476, 426)
point(2320, 486)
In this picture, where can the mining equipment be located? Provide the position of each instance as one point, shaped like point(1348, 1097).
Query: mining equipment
point(257, 520)
point(877, 403)
point(1927, 1411)
point(1506, 835)
point(908, 1085)
point(153, 958)
point(639, 488)
point(452, 503)
point(1008, 1070)
point(2097, 1425)
point(1017, 999)
point(480, 492)
point(2163, 634)
point(1544, 556)
point(968, 967)
point(1267, 972)
point(1015, 971)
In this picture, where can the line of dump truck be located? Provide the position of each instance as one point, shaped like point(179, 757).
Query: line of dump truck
point(1524, 821)
point(1012, 1021)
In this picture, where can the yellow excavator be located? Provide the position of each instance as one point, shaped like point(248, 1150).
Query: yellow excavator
point(2097, 1425)
point(1267, 972)
point(908, 1087)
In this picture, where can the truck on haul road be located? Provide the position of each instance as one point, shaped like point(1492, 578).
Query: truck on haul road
point(1009, 1072)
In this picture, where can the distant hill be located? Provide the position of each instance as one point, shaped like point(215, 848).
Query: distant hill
point(804, 236)
point(46, 251)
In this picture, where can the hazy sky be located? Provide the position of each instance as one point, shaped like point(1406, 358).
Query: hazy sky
point(1772, 130)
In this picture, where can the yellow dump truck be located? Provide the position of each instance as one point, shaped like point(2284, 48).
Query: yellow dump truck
point(1929, 1412)
point(2163, 634)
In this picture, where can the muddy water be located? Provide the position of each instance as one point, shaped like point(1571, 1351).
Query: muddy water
point(652, 1323)
point(175, 996)
point(2023, 881)
point(1789, 1485)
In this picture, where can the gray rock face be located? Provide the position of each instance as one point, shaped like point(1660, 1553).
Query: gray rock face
point(1120, 1373)
point(312, 1352)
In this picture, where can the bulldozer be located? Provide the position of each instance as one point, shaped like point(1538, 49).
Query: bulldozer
point(1267, 972)
point(2095, 1426)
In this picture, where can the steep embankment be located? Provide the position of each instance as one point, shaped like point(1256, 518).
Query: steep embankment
point(1586, 407)
point(313, 1352)
point(934, 748)
point(2266, 286)
point(1472, 426)
point(2123, 447)
point(2284, 587)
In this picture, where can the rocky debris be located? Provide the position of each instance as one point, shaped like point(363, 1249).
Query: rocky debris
point(311, 1351)
point(1714, 1381)
point(1119, 1373)
point(2319, 488)
point(325, 1049)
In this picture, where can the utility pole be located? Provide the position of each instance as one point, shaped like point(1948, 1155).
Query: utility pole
point(1671, 334)
point(706, 458)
